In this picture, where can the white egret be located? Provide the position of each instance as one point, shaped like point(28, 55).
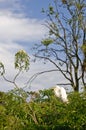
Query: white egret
point(60, 92)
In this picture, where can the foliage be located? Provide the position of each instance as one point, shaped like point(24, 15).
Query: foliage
point(21, 60)
point(84, 49)
point(66, 41)
point(47, 41)
point(84, 52)
point(47, 113)
point(21, 64)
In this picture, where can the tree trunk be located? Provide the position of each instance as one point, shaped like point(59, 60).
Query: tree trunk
point(76, 88)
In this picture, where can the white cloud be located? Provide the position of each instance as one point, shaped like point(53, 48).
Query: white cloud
point(12, 29)
point(43, 81)
point(16, 28)
point(7, 57)
point(7, 52)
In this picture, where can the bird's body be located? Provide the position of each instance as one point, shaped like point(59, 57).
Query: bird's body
point(60, 92)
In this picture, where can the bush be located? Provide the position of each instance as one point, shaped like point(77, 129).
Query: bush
point(45, 114)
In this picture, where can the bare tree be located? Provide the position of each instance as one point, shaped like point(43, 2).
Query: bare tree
point(63, 47)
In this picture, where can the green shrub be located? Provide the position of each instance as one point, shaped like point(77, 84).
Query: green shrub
point(44, 114)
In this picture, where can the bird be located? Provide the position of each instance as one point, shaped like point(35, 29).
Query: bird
point(60, 92)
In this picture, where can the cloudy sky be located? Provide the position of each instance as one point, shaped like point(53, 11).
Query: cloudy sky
point(21, 25)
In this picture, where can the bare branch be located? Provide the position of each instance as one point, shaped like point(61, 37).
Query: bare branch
point(37, 74)
point(61, 70)
point(17, 75)
point(12, 82)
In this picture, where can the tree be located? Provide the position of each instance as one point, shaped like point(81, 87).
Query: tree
point(21, 64)
point(65, 45)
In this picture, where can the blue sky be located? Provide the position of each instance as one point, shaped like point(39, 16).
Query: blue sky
point(30, 8)
point(21, 25)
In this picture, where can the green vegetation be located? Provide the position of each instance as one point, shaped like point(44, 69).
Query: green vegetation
point(43, 112)
point(65, 48)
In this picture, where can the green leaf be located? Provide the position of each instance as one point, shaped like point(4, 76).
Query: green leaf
point(51, 10)
point(22, 60)
point(83, 47)
point(47, 41)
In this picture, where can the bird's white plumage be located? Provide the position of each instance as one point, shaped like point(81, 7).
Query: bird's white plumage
point(60, 92)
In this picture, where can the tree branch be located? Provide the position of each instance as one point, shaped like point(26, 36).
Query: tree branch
point(37, 74)
point(59, 69)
